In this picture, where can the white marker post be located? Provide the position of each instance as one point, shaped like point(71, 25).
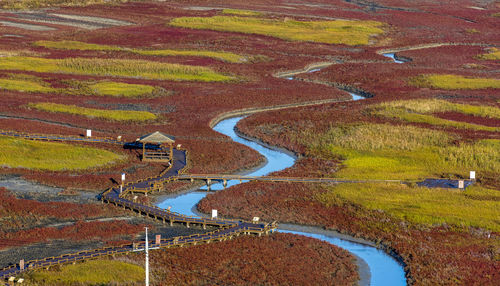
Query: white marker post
point(461, 184)
point(123, 181)
point(214, 214)
point(89, 133)
point(472, 175)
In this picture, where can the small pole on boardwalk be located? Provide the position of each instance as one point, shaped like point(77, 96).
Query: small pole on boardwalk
point(146, 249)
point(123, 180)
point(461, 184)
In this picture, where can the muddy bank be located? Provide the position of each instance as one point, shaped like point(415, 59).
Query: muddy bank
point(24, 189)
point(58, 247)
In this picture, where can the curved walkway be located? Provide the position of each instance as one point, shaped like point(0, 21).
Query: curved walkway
point(228, 228)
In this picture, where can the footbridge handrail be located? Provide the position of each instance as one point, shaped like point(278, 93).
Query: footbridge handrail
point(227, 228)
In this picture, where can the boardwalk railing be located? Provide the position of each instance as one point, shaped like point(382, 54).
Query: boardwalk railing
point(180, 241)
point(223, 177)
point(227, 228)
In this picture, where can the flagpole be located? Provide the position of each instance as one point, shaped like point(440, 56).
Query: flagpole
point(146, 248)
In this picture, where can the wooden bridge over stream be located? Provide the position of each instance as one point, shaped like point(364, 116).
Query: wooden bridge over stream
point(120, 197)
point(210, 178)
point(227, 229)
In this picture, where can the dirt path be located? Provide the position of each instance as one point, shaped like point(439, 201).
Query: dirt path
point(429, 46)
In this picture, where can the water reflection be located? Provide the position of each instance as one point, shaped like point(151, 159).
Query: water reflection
point(393, 57)
point(384, 269)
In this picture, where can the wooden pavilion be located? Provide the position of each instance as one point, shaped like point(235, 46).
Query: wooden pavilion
point(161, 153)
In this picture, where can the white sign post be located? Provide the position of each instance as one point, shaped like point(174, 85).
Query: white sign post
point(123, 180)
point(89, 133)
point(472, 175)
point(214, 213)
point(461, 184)
point(255, 219)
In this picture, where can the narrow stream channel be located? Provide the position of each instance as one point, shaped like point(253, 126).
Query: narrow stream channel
point(393, 57)
point(384, 269)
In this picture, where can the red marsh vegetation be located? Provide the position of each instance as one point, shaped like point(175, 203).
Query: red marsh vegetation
point(272, 260)
point(433, 255)
point(24, 221)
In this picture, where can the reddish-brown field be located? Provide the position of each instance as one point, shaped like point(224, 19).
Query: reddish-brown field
point(110, 232)
point(193, 104)
point(270, 260)
point(433, 255)
point(24, 222)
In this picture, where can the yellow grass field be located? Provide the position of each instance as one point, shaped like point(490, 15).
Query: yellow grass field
point(420, 111)
point(75, 45)
point(22, 153)
point(476, 206)
point(93, 272)
point(329, 32)
point(24, 85)
point(450, 81)
point(493, 54)
point(113, 67)
point(121, 89)
point(118, 115)
point(383, 151)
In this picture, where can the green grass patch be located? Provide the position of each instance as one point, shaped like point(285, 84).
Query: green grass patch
point(28, 83)
point(493, 54)
point(239, 12)
point(22, 153)
point(420, 111)
point(25, 85)
point(450, 81)
point(113, 67)
point(111, 88)
point(330, 32)
point(476, 207)
point(74, 45)
point(93, 272)
point(382, 151)
point(117, 115)
point(223, 56)
point(437, 105)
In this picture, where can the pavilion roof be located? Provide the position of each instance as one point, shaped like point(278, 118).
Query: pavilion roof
point(157, 137)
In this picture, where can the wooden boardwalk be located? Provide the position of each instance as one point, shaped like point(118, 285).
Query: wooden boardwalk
point(227, 228)
point(224, 178)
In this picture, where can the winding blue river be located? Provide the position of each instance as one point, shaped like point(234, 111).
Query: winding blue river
point(384, 269)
